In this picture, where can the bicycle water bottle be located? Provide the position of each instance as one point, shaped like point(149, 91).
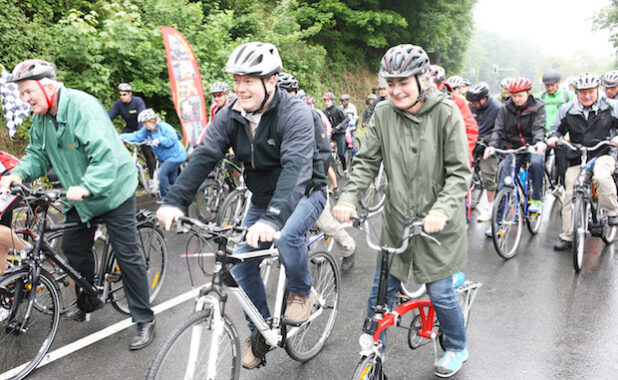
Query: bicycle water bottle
point(458, 279)
point(523, 176)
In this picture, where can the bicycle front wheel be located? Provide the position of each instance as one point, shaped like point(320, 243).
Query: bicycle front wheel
point(579, 231)
point(207, 200)
point(369, 368)
point(476, 189)
point(233, 208)
point(506, 223)
point(154, 251)
point(374, 198)
point(189, 353)
point(24, 342)
point(305, 342)
point(533, 221)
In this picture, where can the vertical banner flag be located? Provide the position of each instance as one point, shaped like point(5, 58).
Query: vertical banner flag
point(15, 110)
point(186, 84)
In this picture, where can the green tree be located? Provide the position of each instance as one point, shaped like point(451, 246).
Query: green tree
point(607, 18)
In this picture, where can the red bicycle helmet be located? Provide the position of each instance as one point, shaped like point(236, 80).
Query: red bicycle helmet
point(519, 85)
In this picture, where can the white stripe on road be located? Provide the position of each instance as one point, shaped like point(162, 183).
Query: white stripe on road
point(102, 334)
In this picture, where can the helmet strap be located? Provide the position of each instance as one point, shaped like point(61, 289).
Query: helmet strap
point(50, 100)
point(421, 93)
point(266, 96)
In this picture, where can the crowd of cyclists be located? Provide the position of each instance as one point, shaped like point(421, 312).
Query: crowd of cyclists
point(425, 129)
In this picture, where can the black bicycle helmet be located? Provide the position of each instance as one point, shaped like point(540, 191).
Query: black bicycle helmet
point(403, 61)
point(551, 76)
point(477, 92)
point(33, 69)
point(287, 81)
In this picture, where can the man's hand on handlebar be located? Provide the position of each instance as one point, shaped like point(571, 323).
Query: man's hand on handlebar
point(489, 151)
point(258, 232)
point(7, 180)
point(434, 223)
point(167, 215)
point(77, 193)
point(343, 213)
point(615, 140)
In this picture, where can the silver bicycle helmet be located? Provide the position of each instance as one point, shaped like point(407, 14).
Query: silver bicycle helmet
point(455, 81)
point(551, 76)
point(145, 115)
point(504, 83)
point(254, 58)
point(437, 73)
point(33, 69)
point(345, 97)
point(125, 87)
point(219, 87)
point(403, 61)
point(610, 79)
point(586, 81)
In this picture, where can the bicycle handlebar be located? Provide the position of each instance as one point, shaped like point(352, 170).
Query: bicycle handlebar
point(580, 147)
point(522, 149)
point(50, 195)
point(145, 142)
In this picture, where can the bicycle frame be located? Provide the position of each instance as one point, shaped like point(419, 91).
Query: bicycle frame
point(151, 188)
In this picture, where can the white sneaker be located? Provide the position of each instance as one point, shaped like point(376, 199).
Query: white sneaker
point(485, 215)
point(4, 314)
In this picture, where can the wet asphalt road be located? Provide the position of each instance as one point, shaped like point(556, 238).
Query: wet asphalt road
point(533, 318)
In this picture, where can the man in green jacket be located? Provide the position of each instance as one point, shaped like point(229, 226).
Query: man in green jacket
point(420, 137)
point(72, 133)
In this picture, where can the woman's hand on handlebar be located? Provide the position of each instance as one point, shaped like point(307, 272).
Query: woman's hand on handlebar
point(167, 215)
point(7, 180)
point(434, 223)
point(343, 213)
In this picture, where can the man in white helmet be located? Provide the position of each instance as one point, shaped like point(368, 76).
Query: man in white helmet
point(272, 133)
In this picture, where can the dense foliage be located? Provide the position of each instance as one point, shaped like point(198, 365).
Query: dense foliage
point(608, 19)
point(327, 44)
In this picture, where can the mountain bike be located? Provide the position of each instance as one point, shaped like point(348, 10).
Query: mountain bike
point(424, 326)
point(30, 293)
point(206, 344)
point(510, 208)
point(234, 207)
point(588, 216)
point(151, 185)
point(215, 189)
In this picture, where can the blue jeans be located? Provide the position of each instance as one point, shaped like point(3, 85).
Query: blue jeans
point(293, 252)
point(444, 300)
point(536, 172)
point(168, 171)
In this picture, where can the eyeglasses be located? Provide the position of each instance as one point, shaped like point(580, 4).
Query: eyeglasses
point(125, 94)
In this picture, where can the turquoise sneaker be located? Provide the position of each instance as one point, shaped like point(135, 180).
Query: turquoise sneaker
point(451, 363)
point(535, 207)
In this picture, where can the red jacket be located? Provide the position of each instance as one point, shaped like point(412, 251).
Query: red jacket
point(472, 128)
point(7, 163)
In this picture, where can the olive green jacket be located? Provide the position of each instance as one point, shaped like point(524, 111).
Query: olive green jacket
point(425, 157)
point(85, 150)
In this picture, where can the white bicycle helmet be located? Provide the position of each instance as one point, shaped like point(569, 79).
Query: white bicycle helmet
point(587, 80)
point(254, 58)
point(455, 81)
point(125, 87)
point(219, 87)
point(610, 79)
point(504, 83)
point(33, 69)
point(145, 115)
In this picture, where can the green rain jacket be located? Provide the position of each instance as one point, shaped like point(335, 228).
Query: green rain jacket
point(425, 156)
point(81, 144)
point(553, 103)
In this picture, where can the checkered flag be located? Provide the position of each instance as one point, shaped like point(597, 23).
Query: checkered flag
point(15, 110)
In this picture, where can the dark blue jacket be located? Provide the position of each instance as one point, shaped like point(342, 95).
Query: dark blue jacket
point(129, 112)
point(281, 161)
point(486, 117)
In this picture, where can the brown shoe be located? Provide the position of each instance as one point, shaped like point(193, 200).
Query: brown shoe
point(297, 310)
point(249, 361)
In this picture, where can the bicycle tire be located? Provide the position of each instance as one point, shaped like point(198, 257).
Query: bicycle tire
point(27, 346)
point(476, 190)
point(533, 222)
point(206, 203)
point(306, 341)
point(154, 251)
point(233, 208)
point(609, 232)
point(506, 223)
point(337, 165)
point(374, 197)
point(369, 367)
point(579, 231)
point(170, 361)
point(358, 144)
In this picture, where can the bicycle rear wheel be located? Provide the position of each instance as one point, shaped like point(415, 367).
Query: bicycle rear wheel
point(25, 347)
point(304, 342)
point(579, 231)
point(609, 232)
point(506, 223)
point(369, 368)
point(374, 198)
point(476, 189)
point(186, 352)
point(154, 251)
point(206, 202)
point(232, 210)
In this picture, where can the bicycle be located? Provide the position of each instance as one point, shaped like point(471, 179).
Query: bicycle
point(588, 216)
point(424, 326)
point(374, 197)
point(30, 293)
point(151, 185)
point(234, 207)
point(206, 344)
point(511, 207)
point(215, 189)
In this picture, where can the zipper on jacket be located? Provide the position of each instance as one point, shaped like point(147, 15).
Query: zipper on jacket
point(248, 132)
